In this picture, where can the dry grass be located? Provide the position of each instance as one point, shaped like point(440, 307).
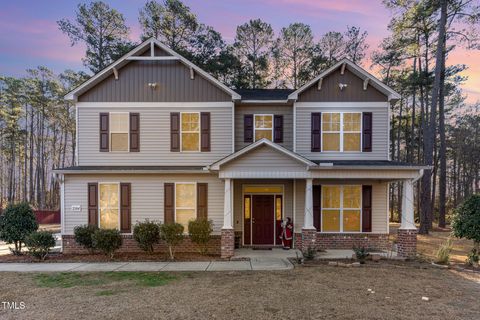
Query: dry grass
point(322, 292)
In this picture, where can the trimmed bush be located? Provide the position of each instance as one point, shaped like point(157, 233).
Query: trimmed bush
point(39, 244)
point(84, 236)
point(200, 231)
point(172, 234)
point(466, 221)
point(16, 223)
point(147, 234)
point(108, 241)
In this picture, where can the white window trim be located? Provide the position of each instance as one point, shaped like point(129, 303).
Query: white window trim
point(182, 132)
point(119, 203)
point(341, 132)
point(110, 131)
point(175, 199)
point(261, 129)
point(341, 209)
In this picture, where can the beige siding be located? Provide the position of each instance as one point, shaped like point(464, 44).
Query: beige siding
point(380, 129)
point(154, 135)
point(379, 202)
point(285, 110)
point(147, 196)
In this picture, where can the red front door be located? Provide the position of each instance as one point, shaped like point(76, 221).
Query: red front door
point(263, 219)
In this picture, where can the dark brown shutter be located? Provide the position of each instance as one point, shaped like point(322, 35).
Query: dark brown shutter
point(278, 128)
point(205, 131)
point(317, 206)
point(367, 132)
point(175, 131)
point(366, 208)
point(104, 132)
point(125, 208)
point(202, 200)
point(134, 132)
point(93, 204)
point(169, 203)
point(248, 128)
point(316, 131)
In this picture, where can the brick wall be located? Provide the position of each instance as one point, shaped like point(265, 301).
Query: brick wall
point(130, 245)
point(407, 243)
point(347, 241)
point(227, 243)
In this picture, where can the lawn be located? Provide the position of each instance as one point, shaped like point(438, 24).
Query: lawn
point(323, 292)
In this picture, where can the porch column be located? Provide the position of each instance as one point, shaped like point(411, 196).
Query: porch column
point(407, 233)
point(309, 233)
point(228, 234)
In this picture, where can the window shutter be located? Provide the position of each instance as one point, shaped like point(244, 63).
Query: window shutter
point(367, 131)
point(202, 200)
point(317, 206)
point(316, 131)
point(205, 131)
point(278, 128)
point(169, 203)
point(366, 208)
point(248, 128)
point(134, 132)
point(125, 208)
point(175, 131)
point(104, 123)
point(93, 204)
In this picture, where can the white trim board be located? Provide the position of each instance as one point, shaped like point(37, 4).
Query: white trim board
point(170, 105)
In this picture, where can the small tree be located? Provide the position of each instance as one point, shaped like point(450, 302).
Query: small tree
point(172, 234)
point(200, 231)
point(39, 244)
point(84, 236)
point(108, 241)
point(16, 223)
point(466, 221)
point(147, 234)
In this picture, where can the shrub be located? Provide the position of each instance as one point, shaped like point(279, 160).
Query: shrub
point(172, 234)
point(473, 257)
point(200, 231)
point(361, 253)
point(466, 221)
point(39, 243)
point(443, 253)
point(84, 236)
point(310, 253)
point(147, 234)
point(108, 241)
point(16, 223)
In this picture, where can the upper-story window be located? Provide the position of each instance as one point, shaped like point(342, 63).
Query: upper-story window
point(190, 131)
point(119, 129)
point(263, 126)
point(341, 131)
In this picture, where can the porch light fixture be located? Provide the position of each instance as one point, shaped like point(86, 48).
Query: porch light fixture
point(342, 86)
point(152, 85)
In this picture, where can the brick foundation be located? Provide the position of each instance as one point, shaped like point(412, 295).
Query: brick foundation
point(309, 239)
point(407, 243)
point(227, 243)
point(130, 245)
point(345, 240)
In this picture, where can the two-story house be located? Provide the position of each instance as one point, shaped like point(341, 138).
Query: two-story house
point(160, 139)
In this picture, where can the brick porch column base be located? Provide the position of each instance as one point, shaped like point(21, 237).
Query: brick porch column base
point(309, 239)
point(227, 243)
point(407, 243)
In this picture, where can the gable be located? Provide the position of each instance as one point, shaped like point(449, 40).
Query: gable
point(330, 91)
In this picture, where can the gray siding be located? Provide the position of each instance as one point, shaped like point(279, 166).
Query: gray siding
point(174, 85)
point(154, 135)
point(330, 91)
point(380, 138)
point(147, 196)
point(285, 110)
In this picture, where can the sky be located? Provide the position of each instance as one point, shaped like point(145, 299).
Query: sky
point(29, 36)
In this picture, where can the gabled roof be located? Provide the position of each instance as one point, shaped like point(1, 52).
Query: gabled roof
point(255, 145)
point(73, 95)
point(360, 72)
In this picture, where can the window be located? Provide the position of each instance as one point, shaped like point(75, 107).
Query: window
point(341, 131)
point(263, 126)
point(190, 124)
point(119, 127)
point(185, 203)
point(109, 206)
point(341, 208)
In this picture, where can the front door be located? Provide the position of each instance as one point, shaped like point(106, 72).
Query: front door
point(263, 219)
